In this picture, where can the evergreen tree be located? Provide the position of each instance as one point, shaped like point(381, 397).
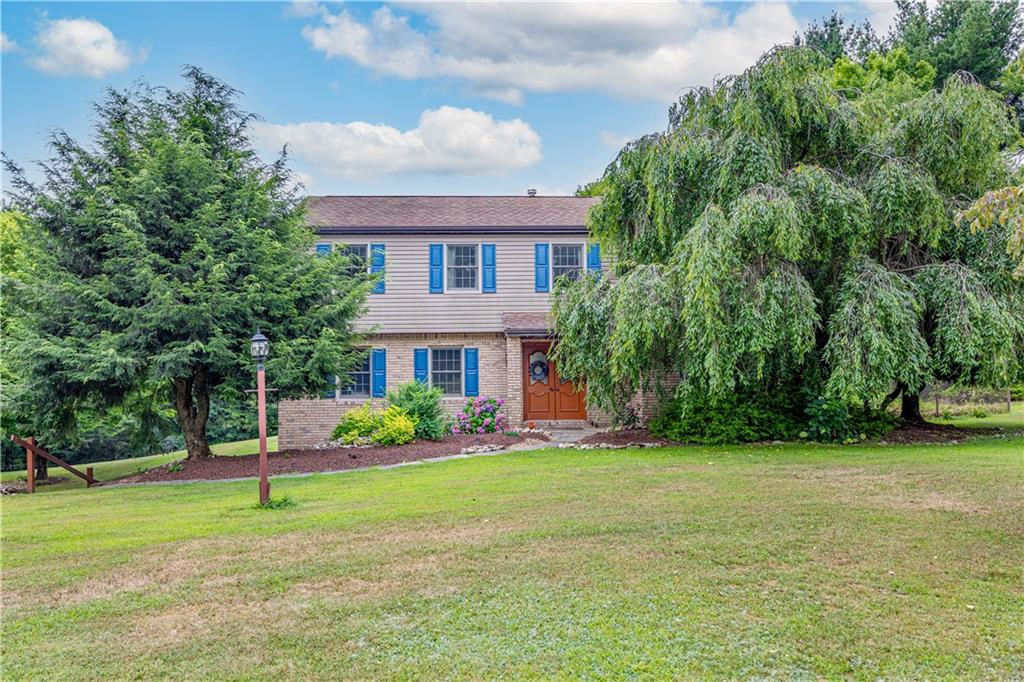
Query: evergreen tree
point(787, 233)
point(834, 39)
point(977, 36)
point(165, 246)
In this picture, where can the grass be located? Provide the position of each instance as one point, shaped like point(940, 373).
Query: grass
point(795, 561)
point(109, 470)
point(1014, 419)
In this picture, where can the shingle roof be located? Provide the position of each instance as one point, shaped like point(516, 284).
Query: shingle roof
point(448, 211)
point(526, 324)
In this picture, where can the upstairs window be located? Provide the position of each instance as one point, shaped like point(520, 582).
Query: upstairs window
point(359, 380)
point(566, 261)
point(463, 264)
point(446, 370)
point(360, 255)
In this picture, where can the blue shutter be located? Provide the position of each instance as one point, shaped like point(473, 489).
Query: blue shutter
point(379, 372)
point(332, 382)
point(377, 265)
point(437, 268)
point(594, 258)
point(540, 268)
point(471, 371)
point(322, 249)
point(419, 364)
point(490, 276)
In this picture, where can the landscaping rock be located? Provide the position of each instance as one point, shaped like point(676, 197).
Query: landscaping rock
point(478, 449)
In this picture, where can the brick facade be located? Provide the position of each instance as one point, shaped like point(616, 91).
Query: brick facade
point(304, 423)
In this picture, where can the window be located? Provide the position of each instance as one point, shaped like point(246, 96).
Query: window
point(359, 384)
point(462, 266)
point(446, 370)
point(359, 253)
point(566, 260)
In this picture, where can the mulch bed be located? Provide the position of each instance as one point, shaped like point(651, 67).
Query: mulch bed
point(312, 461)
point(908, 434)
point(624, 437)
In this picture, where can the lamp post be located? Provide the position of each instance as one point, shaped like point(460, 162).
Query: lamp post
point(259, 346)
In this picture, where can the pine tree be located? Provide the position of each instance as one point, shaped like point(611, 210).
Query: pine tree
point(165, 245)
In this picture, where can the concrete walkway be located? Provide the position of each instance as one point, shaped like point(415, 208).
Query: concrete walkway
point(557, 436)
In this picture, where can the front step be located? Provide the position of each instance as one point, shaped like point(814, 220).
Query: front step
point(561, 424)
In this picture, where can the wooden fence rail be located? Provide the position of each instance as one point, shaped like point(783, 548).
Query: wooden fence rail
point(32, 450)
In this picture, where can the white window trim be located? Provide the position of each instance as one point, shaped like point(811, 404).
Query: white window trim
point(338, 396)
point(369, 253)
point(462, 369)
point(479, 269)
point(551, 260)
point(337, 245)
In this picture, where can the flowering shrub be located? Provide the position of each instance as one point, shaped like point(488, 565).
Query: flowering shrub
point(482, 415)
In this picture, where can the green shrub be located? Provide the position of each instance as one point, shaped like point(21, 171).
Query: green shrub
point(423, 404)
point(833, 421)
point(396, 427)
point(979, 413)
point(780, 416)
point(729, 420)
point(361, 422)
point(1017, 392)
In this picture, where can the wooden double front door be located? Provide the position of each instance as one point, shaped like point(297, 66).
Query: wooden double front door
point(546, 396)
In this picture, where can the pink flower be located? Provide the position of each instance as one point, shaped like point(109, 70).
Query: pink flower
point(487, 422)
point(500, 402)
point(479, 429)
point(455, 429)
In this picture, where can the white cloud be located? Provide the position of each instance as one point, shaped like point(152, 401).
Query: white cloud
point(303, 8)
point(613, 140)
point(651, 50)
point(446, 140)
point(881, 14)
point(82, 47)
point(6, 44)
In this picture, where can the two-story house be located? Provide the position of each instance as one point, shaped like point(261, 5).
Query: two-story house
point(463, 303)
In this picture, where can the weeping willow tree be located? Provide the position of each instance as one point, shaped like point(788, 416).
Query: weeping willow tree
point(786, 230)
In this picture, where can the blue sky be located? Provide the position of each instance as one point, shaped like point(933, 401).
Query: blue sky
point(399, 99)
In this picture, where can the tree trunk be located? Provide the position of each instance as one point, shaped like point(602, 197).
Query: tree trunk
point(192, 404)
point(910, 410)
point(42, 469)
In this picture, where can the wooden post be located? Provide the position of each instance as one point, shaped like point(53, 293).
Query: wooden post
point(88, 472)
point(261, 406)
point(30, 467)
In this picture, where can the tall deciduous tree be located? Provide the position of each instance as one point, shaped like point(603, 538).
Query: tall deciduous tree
point(784, 232)
point(167, 243)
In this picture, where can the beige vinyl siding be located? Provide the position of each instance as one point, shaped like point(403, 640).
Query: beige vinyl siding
point(407, 306)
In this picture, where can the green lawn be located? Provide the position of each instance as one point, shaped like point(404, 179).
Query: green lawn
point(794, 561)
point(1014, 419)
point(107, 471)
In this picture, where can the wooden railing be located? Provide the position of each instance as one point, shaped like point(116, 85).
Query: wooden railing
point(32, 450)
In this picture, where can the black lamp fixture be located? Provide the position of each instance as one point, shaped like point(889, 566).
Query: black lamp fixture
point(259, 346)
